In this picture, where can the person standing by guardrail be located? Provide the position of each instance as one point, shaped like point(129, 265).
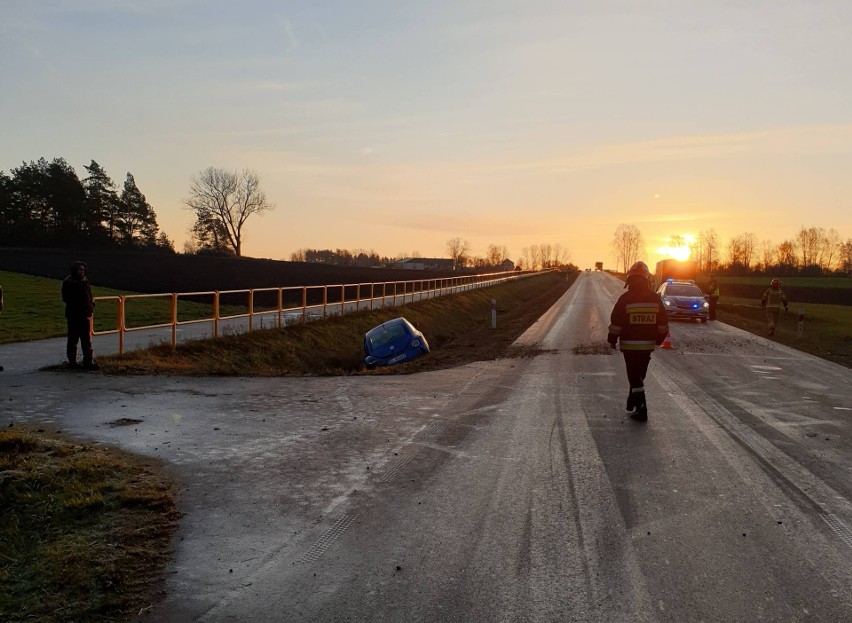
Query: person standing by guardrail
point(713, 296)
point(640, 322)
point(771, 301)
point(79, 307)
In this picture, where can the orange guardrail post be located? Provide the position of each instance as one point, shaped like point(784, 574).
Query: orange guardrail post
point(304, 303)
point(342, 299)
point(216, 313)
point(358, 299)
point(324, 300)
point(250, 309)
point(120, 319)
point(174, 320)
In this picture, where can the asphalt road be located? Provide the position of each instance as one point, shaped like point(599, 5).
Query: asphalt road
point(515, 490)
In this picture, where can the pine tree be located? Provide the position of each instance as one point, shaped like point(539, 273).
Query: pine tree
point(45, 205)
point(136, 223)
point(102, 199)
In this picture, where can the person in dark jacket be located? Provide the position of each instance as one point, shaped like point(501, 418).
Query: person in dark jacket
point(640, 322)
point(79, 307)
point(713, 296)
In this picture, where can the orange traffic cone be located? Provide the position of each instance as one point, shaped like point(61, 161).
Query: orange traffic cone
point(667, 343)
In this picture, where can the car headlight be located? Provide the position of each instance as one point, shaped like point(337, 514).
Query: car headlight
point(415, 343)
point(706, 304)
point(667, 302)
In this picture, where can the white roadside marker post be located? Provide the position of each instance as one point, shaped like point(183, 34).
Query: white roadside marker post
point(801, 329)
point(493, 313)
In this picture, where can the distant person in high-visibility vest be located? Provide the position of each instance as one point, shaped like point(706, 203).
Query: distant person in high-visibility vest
point(713, 296)
point(79, 307)
point(640, 322)
point(772, 301)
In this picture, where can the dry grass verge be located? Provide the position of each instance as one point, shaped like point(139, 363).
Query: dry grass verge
point(827, 334)
point(85, 531)
point(456, 327)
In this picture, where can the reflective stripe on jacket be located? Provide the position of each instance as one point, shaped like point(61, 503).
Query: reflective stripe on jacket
point(773, 298)
point(638, 320)
point(713, 290)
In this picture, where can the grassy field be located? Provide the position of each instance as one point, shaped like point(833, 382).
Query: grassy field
point(34, 309)
point(457, 328)
point(794, 282)
point(827, 332)
point(85, 532)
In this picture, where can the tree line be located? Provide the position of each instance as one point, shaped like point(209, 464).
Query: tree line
point(340, 257)
point(45, 204)
point(534, 257)
point(812, 251)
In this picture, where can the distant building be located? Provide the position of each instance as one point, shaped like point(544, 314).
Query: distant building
point(507, 265)
point(424, 263)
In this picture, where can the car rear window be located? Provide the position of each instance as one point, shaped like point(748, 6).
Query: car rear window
point(386, 334)
point(682, 289)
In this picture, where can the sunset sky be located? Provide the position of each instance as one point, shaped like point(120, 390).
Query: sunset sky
point(398, 125)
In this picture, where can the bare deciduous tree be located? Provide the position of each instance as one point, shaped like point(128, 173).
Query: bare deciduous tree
point(768, 254)
point(707, 250)
point(808, 243)
point(830, 244)
point(561, 255)
point(496, 254)
point(222, 202)
point(741, 249)
point(787, 255)
point(535, 257)
point(459, 251)
point(628, 245)
point(846, 256)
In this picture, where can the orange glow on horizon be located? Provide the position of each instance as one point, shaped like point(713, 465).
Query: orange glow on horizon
point(680, 252)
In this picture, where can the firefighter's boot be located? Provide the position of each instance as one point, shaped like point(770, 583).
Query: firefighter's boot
point(640, 414)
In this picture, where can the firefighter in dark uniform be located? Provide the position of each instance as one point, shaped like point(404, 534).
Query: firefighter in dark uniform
point(640, 322)
point(79, 307)
point(772, 301)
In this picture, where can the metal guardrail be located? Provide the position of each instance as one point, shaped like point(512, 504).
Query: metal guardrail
point(314, 301)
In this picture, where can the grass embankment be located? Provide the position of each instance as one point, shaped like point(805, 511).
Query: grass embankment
point(85, 532)
point(794, 282)
point(458, 329)
point(827, 332)
point(34, 309)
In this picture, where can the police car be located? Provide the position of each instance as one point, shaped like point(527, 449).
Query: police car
point(684, 299)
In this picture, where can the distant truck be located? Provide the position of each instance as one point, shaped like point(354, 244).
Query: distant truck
point(598, 265)
point(676, 269)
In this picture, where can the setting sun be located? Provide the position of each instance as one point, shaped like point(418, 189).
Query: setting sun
point(680, 253)
point(679, 247)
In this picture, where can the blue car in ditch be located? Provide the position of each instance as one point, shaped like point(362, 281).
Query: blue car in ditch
point(684, 299)
point(394, 341)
